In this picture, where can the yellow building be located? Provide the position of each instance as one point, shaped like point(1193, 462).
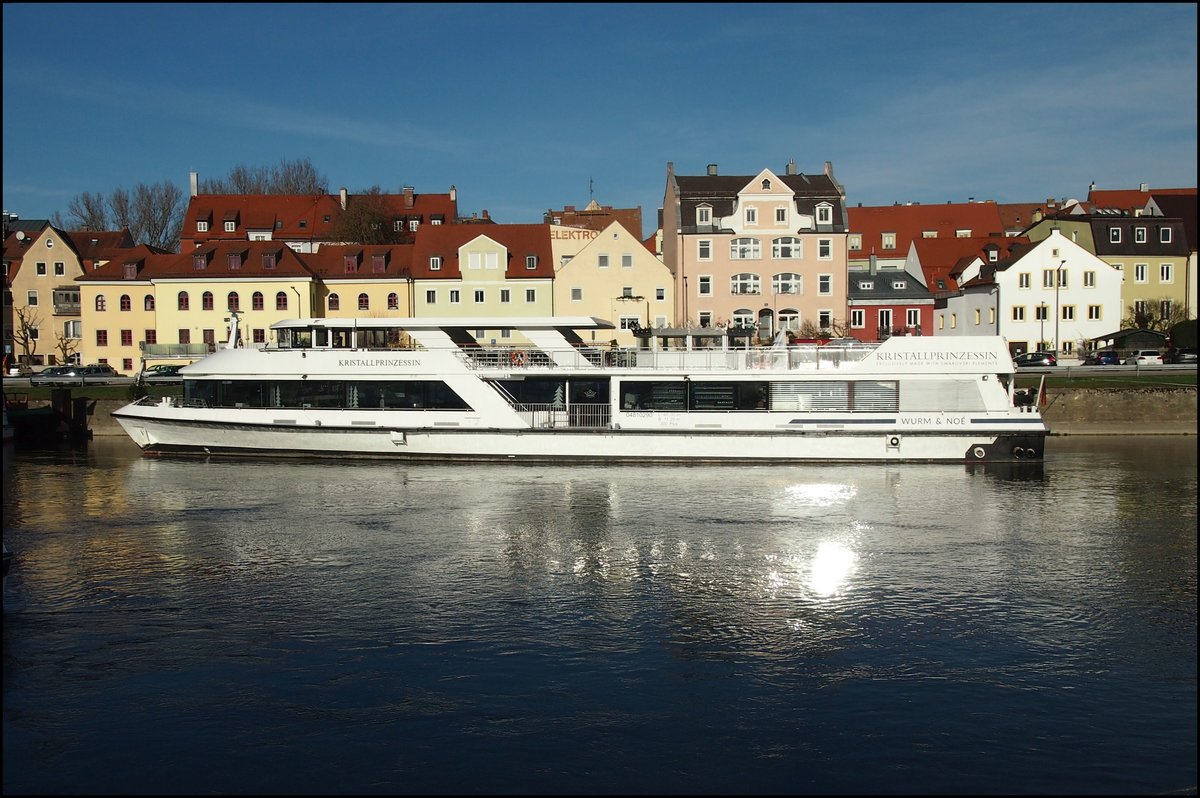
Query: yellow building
point(613, 276)
point(175, 308)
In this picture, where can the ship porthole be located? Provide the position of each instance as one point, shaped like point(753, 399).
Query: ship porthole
point(1018, 452)
point(893, 441)
point(978, 452)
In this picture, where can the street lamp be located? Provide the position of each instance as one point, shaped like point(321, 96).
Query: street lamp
point(1057, 312)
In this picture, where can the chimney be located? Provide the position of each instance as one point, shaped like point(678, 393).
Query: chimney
point(408, 197)
point(1144, 187)
point(873, 264)
point(1037, 215)
point(485, 214)
point(194, 181)
point(712, 170)
point(342, 197)
point(453, 194)
point(970, 200)
point(829, 168)
point(791, 167)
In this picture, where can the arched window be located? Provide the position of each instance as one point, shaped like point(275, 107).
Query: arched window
point(126, 303)
point(786, 283)
point(101, 303)
point(183, 302)
point(744, 249)
point(393, 302)
point(206, 301)
point(148, 303)
point(745, 283)
point(234, 302)
point(281, 301)
point(364, 302)
point(256, 301)
point(787, 248)
point(743, 317)
point(789, 319)
point(334, 302)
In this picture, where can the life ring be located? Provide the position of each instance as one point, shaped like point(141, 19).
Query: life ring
point(518, 357)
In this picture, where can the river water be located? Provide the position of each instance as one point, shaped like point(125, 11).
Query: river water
point(190, 626)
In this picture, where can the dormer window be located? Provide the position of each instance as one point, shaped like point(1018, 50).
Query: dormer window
point(889, 240)
point(235, 260)
point(349, 264)
point(899, 285)
point(201, 227)
point(303, 224)
point(866, 285)
point(1139, 235)
point(824, 213)
point(993, 255)
point(130, 270)
point(1164, 235)
point(531, 262)
point(200, 262)
point(766, 185)
point(1114, 235)
point(230, 227)
point(704, 215)
point(268, 260)
point(378, 264)
point(435, 263)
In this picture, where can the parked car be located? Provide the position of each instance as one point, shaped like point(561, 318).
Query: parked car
point(98, 374)
point(1177, 356)
point(1144, 357)
point(1036, 359)
point(162, 374)
point(1103, 357)
point(20, 370)
point(54, 375)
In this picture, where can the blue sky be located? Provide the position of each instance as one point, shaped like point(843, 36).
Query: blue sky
point(530, 107)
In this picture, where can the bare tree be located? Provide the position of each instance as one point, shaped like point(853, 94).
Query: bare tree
point(286, 177)
point(25, 331)
point(66, 347)
point(1159, 315)
point(88, 212)
point(159, 211)
point(368, 220)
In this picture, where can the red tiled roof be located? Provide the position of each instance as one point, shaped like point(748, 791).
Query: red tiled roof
point(1129, 199)
point(329, 262)
point(519, 239)
point(909, 222)
point(216, 255)
point(297, 217)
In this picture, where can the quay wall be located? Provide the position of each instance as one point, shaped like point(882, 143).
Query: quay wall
point(1067, 412)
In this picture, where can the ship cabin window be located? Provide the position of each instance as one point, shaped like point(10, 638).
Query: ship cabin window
point(367, 395)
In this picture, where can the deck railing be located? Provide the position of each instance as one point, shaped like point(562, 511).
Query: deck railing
point(802, 358)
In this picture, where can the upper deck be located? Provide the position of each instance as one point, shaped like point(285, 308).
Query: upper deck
point(533, 344)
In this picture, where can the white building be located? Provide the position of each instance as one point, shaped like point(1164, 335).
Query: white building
point(1053, 295)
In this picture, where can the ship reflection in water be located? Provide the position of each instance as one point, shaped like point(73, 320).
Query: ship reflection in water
point(380, 627)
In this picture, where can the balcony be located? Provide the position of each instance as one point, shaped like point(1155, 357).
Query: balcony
point(177, 350)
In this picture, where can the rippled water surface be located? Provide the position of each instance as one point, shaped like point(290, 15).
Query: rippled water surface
point(247, 627)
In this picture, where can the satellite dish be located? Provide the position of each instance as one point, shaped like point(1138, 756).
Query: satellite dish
point(20, 235)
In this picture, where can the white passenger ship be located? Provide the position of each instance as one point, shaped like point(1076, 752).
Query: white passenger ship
point(430, 389)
